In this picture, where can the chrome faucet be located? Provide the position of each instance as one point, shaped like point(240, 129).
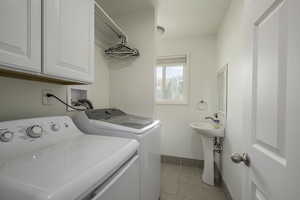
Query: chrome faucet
point(214, 119)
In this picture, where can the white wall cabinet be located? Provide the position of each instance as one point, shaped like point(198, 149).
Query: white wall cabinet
point(69, 39)
point(20, 34)
point(66, 50)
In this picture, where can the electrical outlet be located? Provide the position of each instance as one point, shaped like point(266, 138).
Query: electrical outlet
point(47, 100)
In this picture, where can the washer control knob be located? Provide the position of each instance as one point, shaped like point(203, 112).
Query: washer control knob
point(35, 131)
point(6, 136)
point(55, 127)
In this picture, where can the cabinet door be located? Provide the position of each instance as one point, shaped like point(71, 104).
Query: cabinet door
point(20, 34)
point(69, 39)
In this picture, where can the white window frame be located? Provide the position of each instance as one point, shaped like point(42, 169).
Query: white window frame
point(186, 81)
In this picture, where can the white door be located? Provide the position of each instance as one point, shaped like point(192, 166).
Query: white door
point(69, 39)
point(20, 34)
point(273, 173)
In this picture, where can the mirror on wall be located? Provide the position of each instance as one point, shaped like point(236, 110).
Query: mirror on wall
point(222, 89)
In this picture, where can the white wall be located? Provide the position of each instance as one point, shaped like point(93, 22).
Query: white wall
point(131, 80)
point(99, 92)
point(23, 98)
point(178, 139)
point(234, 48)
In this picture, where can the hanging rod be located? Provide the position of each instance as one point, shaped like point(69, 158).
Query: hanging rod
point(110, 22)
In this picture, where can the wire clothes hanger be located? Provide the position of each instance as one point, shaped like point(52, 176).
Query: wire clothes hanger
point(122, 50)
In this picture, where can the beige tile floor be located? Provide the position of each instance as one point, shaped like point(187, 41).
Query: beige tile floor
point(184, 183)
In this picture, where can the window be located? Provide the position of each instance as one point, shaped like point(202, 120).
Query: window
point(171, 80)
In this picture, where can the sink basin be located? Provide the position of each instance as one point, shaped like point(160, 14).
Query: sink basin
point(207, 129)
point(208, 132)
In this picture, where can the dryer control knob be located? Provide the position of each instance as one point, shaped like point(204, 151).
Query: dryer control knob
point(6, 136)
point(55, 127)
point(35, 131)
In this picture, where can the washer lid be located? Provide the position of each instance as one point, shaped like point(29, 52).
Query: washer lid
point(121, 119)
point(64, 170)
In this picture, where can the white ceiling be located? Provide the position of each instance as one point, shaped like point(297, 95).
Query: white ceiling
point(121, 7)
point(182, 18)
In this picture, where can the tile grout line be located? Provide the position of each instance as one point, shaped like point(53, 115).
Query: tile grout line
point(180, 163)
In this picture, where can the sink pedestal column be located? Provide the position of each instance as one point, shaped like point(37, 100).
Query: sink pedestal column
point(208, 171)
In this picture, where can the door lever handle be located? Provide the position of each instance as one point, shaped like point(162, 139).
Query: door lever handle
point(238, 158)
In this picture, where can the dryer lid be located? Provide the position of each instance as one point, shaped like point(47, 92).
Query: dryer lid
point(64, 170)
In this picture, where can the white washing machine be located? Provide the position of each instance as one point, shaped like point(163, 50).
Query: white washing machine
point(114, 122)
point(51, 159)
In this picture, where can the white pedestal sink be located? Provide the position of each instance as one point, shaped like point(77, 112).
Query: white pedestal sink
point(208, 133)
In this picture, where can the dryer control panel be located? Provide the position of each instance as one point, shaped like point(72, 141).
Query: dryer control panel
point(20, 136)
